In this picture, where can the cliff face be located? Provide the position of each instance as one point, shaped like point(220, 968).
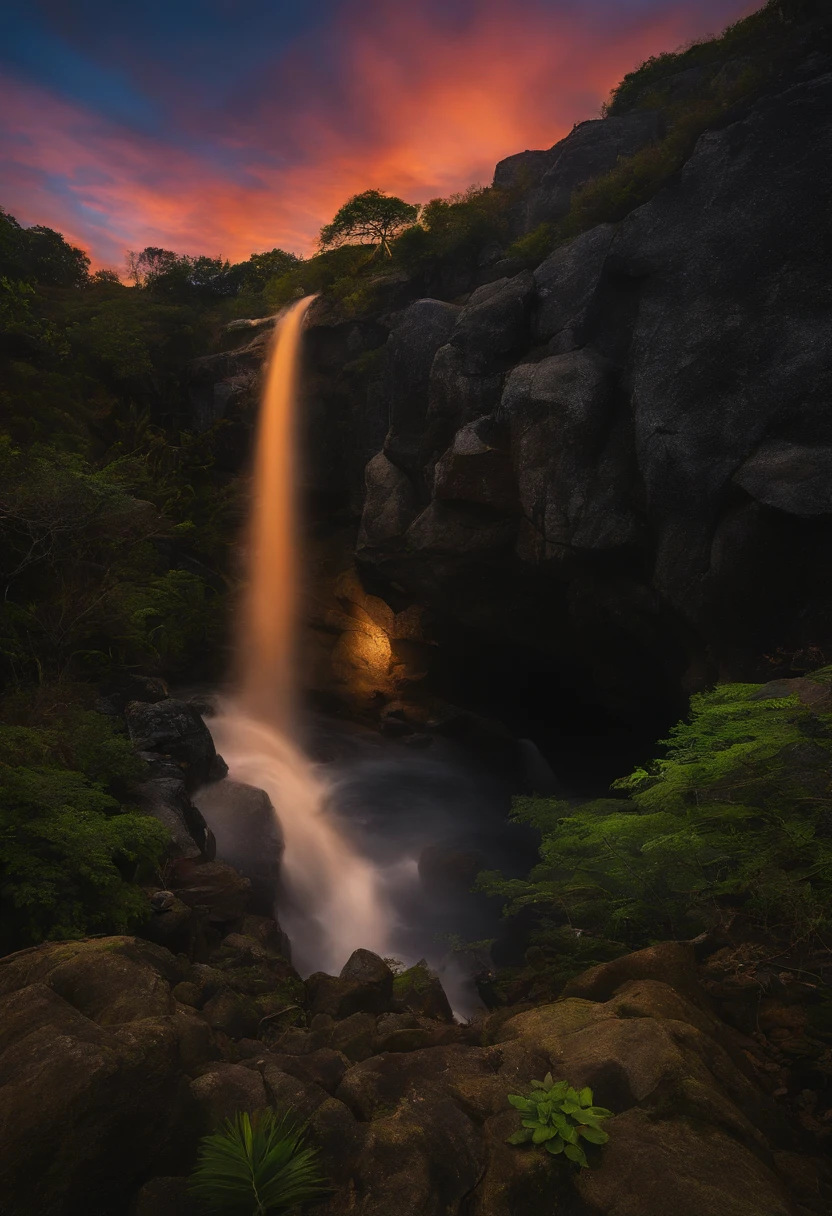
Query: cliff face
point(624, 458)
point(615, 468)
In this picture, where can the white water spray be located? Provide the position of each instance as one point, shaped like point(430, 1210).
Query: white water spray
point(331, 898)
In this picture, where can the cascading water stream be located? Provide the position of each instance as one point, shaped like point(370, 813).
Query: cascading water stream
point(331, 898)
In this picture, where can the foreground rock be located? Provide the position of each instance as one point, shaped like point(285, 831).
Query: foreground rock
point(115, 1057)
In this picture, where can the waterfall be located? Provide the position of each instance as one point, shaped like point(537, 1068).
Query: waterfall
point(331, 898)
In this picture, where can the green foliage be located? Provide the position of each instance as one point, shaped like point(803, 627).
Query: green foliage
point(256, 1165)
point(40, 255)
point(68, 849)
point(763, 33)
point(558, 1116)
point(370, 218)
point(737, 812)
point(451, 232)
point(262, 267)
point(334, 272)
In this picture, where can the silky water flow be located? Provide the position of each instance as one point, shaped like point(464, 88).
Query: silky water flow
point(332, 899)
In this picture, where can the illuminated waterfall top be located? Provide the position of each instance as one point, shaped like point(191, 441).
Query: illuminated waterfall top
point(266, 639)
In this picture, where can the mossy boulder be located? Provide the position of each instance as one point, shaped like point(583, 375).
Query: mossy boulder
point(420, 990)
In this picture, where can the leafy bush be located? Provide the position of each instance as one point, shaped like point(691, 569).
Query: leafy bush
point(558, 1116)
point(256, 1165)
point(763, 34)
point(67, 852)
point(451, 232)
point(736, 814)
point(40, 255)
point(68, 849)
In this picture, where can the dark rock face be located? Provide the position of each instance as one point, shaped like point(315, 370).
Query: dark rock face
point(243, 823)
point(422, 329)
point(365, 985)
point(166, 798)
point(547, 180)
point(731, 348)
point(175, 730)
point(626, 454)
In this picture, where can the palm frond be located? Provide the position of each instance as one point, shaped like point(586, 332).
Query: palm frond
point(256, 1165)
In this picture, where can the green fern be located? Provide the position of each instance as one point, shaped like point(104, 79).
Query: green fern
point(256, 1165)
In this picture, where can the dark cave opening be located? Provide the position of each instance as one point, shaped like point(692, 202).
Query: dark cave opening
point(587, 741)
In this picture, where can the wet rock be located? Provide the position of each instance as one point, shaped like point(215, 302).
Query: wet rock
point(369, 973)
point(176, 927)
point(247, 834)
point(491, 329)
point(355, 1036)
point(197, 1045)
point(364, 985)
point(166, 799)
point(571, 454)
point(291, 1094)
point(232, 1013)
point(421, 991)
point(173, 728)
point(672, 963)
point(667, 1165)
point(109, 980)
point(792, 477)
point(187, 993)
point(115, 695)
point(91, 1100)
point(213, 886)
point(339, 1138)
point(714, 293)
point(477, 467)
point(165, 1197)
point(324, 1067)
point(225, 1091)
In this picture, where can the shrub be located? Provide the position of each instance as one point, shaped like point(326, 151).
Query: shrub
point(558, 1116)
point(256, 1165)
point(736, 813)
point(67, 851)
point(451, 232)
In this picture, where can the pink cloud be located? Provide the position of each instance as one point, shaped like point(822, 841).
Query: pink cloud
point(419, 109)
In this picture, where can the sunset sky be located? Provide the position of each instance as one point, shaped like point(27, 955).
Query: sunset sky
point(221, 127)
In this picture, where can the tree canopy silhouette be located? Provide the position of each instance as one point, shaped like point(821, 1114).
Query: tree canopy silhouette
point(371, 218)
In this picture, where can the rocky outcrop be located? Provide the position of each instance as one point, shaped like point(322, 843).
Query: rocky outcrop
point(619, 463)
point(115, 1057)
point(546, 181)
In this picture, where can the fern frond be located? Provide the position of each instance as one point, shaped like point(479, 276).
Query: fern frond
point(256, 1165)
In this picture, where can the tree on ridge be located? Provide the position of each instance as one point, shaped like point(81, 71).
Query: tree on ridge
point(370, 218)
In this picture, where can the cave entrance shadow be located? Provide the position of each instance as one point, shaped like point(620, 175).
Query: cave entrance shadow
point(588, 737)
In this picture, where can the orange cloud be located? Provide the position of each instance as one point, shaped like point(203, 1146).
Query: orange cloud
point(420, 107)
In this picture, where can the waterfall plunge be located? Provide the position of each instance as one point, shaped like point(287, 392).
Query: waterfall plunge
point(331, 898)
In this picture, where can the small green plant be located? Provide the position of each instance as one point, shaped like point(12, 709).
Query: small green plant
point(255, 1165)
point(556, 1115)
